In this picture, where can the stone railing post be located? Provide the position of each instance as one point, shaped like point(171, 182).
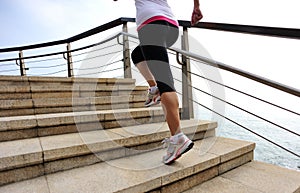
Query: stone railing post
point(69, 60)
point(22, 64)
point(187, 95)
point(126, 53)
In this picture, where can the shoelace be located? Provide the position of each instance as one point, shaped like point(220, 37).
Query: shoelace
point(167, 143)
point(150, 96)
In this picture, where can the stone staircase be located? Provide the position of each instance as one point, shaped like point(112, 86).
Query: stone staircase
point(94, 135)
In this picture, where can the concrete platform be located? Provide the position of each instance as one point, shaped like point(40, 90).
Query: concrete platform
point(253, 177)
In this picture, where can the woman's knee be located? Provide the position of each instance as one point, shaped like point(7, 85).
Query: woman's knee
point(137, 55)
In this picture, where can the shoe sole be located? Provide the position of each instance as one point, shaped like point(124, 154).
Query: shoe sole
point(152, 103)
point(155, 101)
point(191, 145)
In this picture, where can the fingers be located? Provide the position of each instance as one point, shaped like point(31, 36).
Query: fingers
point(196, 16)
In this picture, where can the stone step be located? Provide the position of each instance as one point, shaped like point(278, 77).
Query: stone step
point(145, 172)
point(253, 177)
point(37, 92)
point(42, 80)
point(13, 88)
point(51, 154)
point(22, 127)
point(20, 107)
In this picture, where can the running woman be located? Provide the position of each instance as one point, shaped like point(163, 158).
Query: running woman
point(157, 30)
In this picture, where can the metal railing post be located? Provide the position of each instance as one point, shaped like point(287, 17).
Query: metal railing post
point(187, 103)
point(126, 53)
point(69, 60)
point(22, 64)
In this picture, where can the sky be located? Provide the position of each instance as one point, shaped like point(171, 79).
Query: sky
point(32, 21)
point(25, 22)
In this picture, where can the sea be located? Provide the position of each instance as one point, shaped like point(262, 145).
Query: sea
point(264, 150)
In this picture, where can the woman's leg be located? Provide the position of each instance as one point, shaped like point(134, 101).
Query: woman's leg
point(146, 73)
point(160, 69)
point(171, 109)
point(139, 60)
point(153, 50)
point(151, 58)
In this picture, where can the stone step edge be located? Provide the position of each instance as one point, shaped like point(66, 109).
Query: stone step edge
point(52, 148)
point(66, 102)
point(36, 89)
point(54, 119)
point(152, 176)
point(64, 79)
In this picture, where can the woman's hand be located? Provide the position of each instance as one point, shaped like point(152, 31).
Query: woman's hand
point(196, 16)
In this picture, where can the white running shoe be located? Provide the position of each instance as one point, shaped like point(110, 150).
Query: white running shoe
point(176, 147)
point(152, 98)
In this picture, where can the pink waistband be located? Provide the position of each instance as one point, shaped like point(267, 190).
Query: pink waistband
point(156, 18)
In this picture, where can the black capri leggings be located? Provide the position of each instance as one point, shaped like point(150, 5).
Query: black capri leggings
point(155, 38)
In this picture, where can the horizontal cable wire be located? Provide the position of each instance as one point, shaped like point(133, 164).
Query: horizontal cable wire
point(99, 43)
point(244, 93)
point(8, 64)
point(110, 53)
point(257, 134)
point(9, 70)
point(44, 55)
point(112, 69)
point(239, 123)
point(133, 42)
point(244, 127)
point(240, 72)
point(51, 73)
point(36, 56)
point(257, 98)
point(257, 116)
point(45, 60)
point(39, 67)
point(108, 64)
point(9, 60)
point(74, 55)
point(100, 72)
point(264, 119)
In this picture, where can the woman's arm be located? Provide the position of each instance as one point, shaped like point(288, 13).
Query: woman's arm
point(196, 15)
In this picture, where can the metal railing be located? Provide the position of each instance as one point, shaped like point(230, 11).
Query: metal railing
point(270, 83)
point(66, 54)
point(187, 86)
point(240, 72)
